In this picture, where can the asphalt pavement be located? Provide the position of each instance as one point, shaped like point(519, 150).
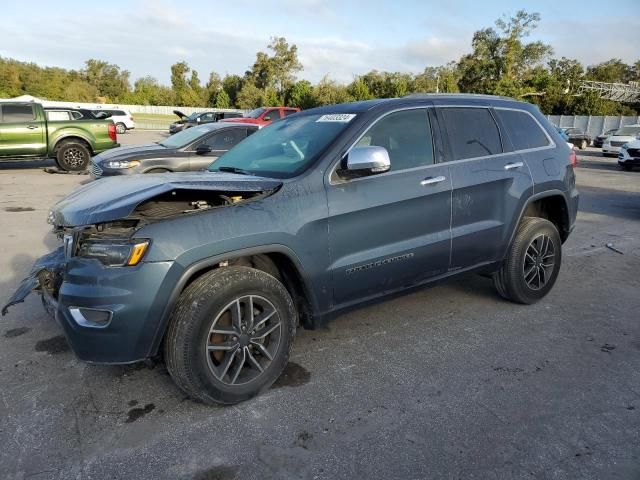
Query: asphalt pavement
point(447, 382)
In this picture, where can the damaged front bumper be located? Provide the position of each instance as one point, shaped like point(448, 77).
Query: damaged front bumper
point(109, 314)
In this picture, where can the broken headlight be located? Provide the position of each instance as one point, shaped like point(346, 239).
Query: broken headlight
point(113, 253)
point(122, 163)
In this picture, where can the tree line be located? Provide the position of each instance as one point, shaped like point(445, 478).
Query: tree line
point(501, 62)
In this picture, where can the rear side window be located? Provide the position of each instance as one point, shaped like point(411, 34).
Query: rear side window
point(54, 115)
point(289, 111)
point(407, 137)
point(118, 113)
point(522, 129)
point(17, 113)
point(472, 132)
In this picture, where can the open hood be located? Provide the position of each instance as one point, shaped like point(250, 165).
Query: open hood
point(181, 115)
point(115, 198)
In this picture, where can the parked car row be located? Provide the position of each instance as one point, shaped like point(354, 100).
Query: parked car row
point(260, 116)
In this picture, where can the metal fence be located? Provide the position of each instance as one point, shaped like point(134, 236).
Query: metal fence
point(593, 125)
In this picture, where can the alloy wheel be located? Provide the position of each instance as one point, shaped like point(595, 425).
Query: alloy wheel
point(539, 262)
point(243, 340)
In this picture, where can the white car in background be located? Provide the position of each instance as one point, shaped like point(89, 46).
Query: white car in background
point(122, 118)
point(626, 134)
point(629, 155)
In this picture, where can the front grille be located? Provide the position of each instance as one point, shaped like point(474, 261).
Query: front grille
point(617, 144)
point(634, 152)
point(95, 170)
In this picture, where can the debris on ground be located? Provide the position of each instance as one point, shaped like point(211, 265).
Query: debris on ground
point(611, 247)
point(59, 170)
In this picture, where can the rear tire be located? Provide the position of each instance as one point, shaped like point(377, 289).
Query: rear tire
point(209, 354)
point(532, 264)
point(73, 156)
point(121, 128)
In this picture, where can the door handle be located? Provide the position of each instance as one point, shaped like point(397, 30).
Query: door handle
point(432, 180)
point(32, 127)
point(511, 166)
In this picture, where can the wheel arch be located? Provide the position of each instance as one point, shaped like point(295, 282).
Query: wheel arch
point(551, 205)
point(289, 268)
point(73, 137)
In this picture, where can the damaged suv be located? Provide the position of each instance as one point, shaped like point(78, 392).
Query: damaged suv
point(314, 214)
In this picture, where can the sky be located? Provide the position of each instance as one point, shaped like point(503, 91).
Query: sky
point(341, 39)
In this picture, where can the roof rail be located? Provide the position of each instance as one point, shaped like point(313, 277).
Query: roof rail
point(463, 95)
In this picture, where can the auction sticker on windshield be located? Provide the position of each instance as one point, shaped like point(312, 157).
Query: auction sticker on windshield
point(337, 117)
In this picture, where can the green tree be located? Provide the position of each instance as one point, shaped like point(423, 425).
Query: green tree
point(329, 92)
point(107, 78)
point(222, 100)
point(277, 70)
point(358, 90)
point(301, 95)
point(611, 71)
point(501, 60)
point(250, 96)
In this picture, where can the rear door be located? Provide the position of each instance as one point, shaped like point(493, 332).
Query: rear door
point(488, 181)
point(391, 230)
point(219, 142)
point(22, 134)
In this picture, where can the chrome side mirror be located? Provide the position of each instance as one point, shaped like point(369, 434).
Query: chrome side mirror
point(368, 160)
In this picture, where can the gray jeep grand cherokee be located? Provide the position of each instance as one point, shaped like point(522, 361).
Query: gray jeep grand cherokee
point(319, 212)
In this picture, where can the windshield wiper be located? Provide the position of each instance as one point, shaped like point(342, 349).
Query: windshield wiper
point(234, 170)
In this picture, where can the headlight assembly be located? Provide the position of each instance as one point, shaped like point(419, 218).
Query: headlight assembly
point(122, 164)
point(113, 253)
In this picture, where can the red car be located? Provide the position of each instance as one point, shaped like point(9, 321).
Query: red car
point(263, 115)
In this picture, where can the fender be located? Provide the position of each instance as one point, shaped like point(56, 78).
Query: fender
point(204, 263)
point(65, 133)
point(530, 200)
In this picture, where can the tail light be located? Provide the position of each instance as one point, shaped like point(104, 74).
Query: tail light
point(112, 132)
point(573, 158)
point(131, 118)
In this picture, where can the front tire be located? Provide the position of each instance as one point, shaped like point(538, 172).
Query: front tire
point(121, 128)
point(73, 156)
point(625, 167)
point(583, 144)
point(230, 335)
point(532, 264)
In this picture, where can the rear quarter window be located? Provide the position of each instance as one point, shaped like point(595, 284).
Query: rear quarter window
point(522, 129)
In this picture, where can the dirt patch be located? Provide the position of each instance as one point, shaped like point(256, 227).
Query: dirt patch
point(16, 332)
point(19, 209)
point(221, 472)
point(53, 345)
point(139, 412)
point(294, 375)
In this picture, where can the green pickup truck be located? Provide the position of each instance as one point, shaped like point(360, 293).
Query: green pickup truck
point(27, 134)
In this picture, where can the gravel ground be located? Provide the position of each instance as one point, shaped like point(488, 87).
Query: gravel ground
point(447, 382)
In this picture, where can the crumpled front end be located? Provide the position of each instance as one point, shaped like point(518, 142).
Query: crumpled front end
point(45, 276)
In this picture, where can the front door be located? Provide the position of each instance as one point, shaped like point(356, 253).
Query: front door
point(21, 133)
point(219, 143)
point(390, 230)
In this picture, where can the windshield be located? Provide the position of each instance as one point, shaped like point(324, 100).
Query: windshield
point(255, 113)
point(185, 137)
point(625, 131)
point(286, 148)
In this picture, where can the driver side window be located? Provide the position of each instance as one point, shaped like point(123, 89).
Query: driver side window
point(406, 135)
